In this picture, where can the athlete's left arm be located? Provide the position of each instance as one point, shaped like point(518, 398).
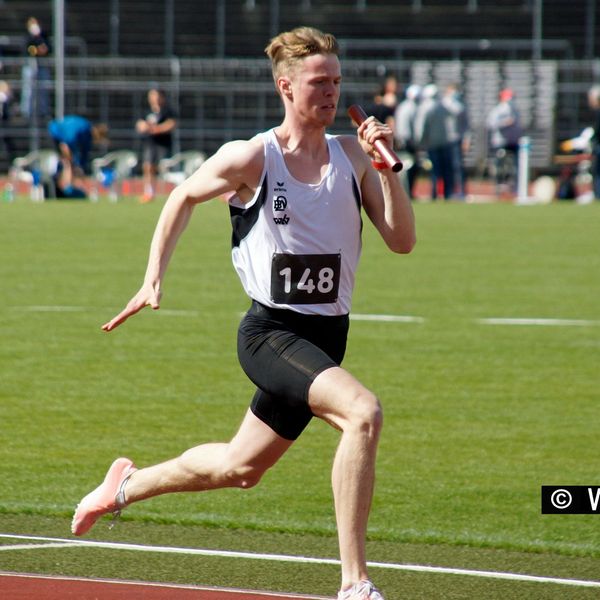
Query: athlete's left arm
point(383, 195)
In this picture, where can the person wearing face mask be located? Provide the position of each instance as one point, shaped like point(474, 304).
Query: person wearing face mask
point(36, 74)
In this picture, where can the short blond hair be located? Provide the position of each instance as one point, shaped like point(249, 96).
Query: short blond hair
point(290, 47)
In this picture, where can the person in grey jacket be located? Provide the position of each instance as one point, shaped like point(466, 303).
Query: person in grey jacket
point(459, 136)
point(432, 132)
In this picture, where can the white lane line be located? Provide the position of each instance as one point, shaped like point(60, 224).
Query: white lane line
point(539, 321)
point(44, 308)
point(41, 308)
point(490, 574)
point(387, 318)
point(309, 560)
point(174, 312)
point(10, 547)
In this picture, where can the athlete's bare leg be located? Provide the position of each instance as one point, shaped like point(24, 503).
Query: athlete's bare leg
point(239, 463)
point(340, 399)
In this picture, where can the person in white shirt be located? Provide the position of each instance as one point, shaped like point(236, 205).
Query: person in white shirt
point(404, 132)
point(295, 209)
point(504, 129)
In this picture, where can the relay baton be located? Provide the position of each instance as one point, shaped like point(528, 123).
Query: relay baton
point(389, 157)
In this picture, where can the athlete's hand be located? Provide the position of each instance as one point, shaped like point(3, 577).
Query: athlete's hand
point(147, 296)
point(370, 131)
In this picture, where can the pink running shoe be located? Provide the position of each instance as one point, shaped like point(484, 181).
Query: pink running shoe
point(108, 497)
point(363, 590)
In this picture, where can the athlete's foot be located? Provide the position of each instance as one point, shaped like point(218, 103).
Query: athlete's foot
point(108, 497)
point(363, 590)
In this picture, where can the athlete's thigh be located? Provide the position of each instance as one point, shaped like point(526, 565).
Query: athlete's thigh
point(337, 396)
point(278, 361)
point(256, 444)
point(287, 419)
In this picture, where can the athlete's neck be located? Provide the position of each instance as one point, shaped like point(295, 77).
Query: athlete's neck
point(296, 139)
point(305, 152)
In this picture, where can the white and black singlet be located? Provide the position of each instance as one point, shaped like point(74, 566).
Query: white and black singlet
point(295, 247)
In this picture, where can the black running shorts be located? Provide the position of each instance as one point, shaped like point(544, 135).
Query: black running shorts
point(282, 352)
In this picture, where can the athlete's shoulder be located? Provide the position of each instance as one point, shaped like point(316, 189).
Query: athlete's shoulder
point(354, 152)
point(239, 161)
point(242, 152)
point(348, 142)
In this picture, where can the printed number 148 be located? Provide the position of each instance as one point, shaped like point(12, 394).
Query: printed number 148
point(306, 283)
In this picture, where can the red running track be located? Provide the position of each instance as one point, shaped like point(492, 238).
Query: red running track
point(15, 586)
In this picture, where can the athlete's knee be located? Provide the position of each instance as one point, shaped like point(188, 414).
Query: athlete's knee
point(243, 476)
point(365, 413)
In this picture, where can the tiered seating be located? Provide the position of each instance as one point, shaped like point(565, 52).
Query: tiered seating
point(210, 114)
point(142, 27)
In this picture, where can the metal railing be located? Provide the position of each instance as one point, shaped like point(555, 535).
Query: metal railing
point(222, 99)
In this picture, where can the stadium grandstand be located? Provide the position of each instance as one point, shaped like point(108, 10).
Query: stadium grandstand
point(208, 56)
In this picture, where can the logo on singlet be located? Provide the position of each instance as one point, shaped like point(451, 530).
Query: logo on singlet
point(279, 203)
point(281, 220)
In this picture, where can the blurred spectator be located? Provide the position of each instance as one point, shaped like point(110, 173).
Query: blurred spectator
point(432, 125)
point(390, 92)
point(459, 136)
point(35, 76)
point(73, 136)
point(5, 108)
point(385, 102)
point(404, 131)
point(504, 127)
point(583, 147)
point(594, 104)
point(156, 130)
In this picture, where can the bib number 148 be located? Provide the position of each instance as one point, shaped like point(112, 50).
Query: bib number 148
point(305, 278)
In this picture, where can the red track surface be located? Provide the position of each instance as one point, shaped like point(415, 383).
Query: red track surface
point(33, 587)
point(482, 188)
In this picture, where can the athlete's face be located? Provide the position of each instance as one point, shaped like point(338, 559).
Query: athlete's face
point(314, 88)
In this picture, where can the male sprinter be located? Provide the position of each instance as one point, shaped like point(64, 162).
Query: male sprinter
point(295, 211)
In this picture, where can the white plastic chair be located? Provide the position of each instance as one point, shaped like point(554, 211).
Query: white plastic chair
point(38, 169)
point(180, 166)
point(120, 165)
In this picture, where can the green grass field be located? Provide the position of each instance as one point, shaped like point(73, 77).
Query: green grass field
point(477, 416)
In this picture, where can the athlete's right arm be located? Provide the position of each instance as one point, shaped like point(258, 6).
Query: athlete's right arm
point(235, 166)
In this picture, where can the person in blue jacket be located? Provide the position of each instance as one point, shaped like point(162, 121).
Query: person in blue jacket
point(73, 136)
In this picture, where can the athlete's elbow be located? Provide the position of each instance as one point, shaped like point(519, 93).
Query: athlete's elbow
point(181, 195)
point(403, 244)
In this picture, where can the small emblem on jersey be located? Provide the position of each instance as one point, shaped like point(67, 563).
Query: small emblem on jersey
point(279, 187)
point(280, 203)
point(281, 220)
point(305, 278)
